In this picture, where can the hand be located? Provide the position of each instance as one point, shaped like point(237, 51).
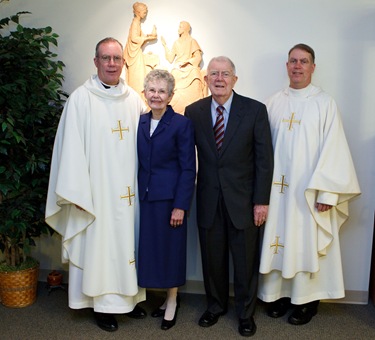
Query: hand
point(177, 217)
point(321, 207)
point(260, 214)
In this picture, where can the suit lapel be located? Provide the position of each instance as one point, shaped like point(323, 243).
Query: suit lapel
point(145, 124)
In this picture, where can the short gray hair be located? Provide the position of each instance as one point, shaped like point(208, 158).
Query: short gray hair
point(160, 75)
point(223, 59)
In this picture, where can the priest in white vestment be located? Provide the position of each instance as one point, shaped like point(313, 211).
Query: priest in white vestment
point(92, 196)
point(314, 179)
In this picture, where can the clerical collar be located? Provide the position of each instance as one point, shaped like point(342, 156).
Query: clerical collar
point(105, 86)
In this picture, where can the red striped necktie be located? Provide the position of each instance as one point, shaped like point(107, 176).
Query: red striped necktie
point(219, 127)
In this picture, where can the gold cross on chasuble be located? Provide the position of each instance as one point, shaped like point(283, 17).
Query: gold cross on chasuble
point(120, 129)
point(276, 245)
point(291, 121)
point(128, 196)
point(282, 184)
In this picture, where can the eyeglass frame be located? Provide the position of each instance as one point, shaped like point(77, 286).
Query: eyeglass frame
point(223, 74)
point(106, 59)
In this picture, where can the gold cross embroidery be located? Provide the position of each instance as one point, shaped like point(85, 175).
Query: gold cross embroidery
point(120, 129)
point(282, 184)
point(276, 245)
point(291, 121)
point(128, 196)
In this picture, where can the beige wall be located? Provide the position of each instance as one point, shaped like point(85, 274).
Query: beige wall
point(256, 35)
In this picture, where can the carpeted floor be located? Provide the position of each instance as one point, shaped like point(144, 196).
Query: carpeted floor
point(50, 318)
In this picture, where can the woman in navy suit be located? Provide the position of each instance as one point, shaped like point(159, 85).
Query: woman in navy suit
point(166, 181)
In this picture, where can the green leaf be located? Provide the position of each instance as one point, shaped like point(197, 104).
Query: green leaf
point(31, 101)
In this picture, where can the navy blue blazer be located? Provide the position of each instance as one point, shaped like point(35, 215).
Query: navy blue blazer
point(167, 167)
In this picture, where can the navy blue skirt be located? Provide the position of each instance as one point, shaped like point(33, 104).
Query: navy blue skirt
point(162, 248)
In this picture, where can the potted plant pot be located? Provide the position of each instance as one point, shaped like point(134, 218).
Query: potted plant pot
point(18, 288)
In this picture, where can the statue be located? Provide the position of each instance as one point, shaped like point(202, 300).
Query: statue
point(138, 64)
point(186, 56)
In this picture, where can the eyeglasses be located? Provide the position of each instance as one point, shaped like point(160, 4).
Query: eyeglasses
point(107, 59)
point(153, 91)
point(223, 74)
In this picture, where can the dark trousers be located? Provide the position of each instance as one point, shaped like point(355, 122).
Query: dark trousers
point(216, 242)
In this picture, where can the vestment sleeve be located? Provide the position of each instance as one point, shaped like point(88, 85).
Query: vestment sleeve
point(69, 183)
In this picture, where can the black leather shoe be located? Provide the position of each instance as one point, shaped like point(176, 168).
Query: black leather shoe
point(278, 308)
point(303, 314)
point(208, 319)
point(247, 327)
point(106, 321)
point(166, 324)
point(158, 313)
point(137, 313)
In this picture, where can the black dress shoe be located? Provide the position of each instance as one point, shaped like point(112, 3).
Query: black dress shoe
point(247, 327)
point(158, 313)
point(278, 308)
point(137, 313)
point(208, 319)
point(106, 321)
point(303, 314)
point(166, 324)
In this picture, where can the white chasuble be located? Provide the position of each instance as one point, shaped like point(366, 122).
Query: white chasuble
point(94, 166)
point(301, 252)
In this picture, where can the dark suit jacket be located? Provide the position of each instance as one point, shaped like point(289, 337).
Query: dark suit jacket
point(167, 159)
point(243, 169)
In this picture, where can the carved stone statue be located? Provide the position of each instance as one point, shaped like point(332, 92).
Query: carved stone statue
point(186, 56)
point(137, 63)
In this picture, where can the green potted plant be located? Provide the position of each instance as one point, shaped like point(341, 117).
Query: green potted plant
point(31, 101)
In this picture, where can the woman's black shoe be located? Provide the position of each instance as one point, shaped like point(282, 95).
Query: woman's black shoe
point(158, 312)
point(166, 324)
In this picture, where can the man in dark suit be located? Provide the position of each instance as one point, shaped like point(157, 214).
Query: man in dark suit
point(233, 189)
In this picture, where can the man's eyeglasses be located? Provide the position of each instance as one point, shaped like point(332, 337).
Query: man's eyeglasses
point(107, 59)
point(223, 74)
